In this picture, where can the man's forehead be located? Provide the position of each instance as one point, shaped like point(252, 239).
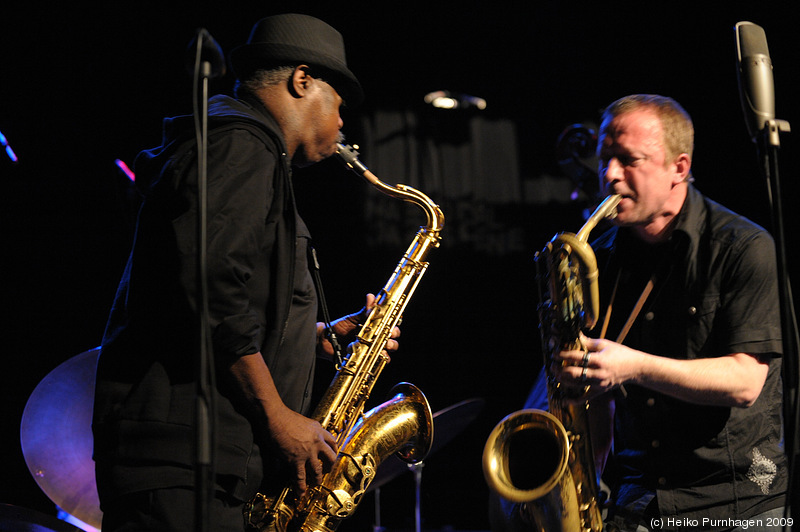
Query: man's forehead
point(641, 122)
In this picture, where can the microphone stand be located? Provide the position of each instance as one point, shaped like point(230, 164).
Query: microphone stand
point(768, 142)
point(417, 469)
point(205, 411)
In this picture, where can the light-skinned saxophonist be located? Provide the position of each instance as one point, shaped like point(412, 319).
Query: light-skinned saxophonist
point(694, 384)
point(262, 307)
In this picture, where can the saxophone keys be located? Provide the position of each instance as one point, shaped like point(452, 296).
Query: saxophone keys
point(340, 503)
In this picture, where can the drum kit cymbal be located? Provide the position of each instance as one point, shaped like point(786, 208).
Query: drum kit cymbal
point(56, 439)
point(17, 519)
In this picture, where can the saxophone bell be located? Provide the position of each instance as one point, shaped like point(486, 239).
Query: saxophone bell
point(526, 461)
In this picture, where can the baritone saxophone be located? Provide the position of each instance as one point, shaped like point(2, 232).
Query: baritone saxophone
point(544, 461)
point(403, 425)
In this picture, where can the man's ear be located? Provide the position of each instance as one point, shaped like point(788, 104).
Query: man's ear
point(300, 81)
point(683, 165)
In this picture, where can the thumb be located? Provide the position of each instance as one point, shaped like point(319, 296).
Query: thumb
point(370, 303)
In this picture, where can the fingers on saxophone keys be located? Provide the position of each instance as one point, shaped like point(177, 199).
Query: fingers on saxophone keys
point(300, 484)
point(585, 364)
point(318, 471)
point(576, 357)
point(574, 366)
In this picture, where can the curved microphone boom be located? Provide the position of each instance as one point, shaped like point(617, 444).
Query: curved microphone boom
point(205, 50)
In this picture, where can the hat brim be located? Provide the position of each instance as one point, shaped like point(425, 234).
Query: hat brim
point(248, 58)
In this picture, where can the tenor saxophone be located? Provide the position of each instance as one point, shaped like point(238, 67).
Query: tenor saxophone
point(403, 425)
point(544, 461)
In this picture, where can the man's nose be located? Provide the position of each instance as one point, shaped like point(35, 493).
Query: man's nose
point(611, 171)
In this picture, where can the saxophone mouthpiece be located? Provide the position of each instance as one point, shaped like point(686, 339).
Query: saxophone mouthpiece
point(612, 201)
point(349, 156)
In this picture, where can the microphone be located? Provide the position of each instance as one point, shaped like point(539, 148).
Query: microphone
point(756, 86)
point(209, 52)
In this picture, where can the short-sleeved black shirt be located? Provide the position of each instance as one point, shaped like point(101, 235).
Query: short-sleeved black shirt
point(715, 294)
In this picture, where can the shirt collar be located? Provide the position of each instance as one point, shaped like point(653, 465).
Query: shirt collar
point(689, 222)
point(685, 233)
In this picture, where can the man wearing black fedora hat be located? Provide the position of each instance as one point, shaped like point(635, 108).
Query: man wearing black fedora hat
point(292, 78)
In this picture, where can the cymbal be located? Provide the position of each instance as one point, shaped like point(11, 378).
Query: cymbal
point(56, 437)
point(447, 424)
point(18, 519)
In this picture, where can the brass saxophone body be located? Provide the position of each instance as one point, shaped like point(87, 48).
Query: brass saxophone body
point(403, 425)
point(544, 460)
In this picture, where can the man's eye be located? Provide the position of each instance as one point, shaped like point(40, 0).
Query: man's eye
point(623, 160)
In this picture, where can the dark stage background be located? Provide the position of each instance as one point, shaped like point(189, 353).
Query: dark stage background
point(83, 86)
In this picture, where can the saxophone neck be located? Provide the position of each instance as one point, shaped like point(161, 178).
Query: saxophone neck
point(435, 217)
point(434, 214)
point(606, 209)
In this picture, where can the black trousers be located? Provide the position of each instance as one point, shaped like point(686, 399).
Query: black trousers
point(171, 510)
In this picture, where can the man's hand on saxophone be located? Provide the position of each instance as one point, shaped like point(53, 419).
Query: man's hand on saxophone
point(601, 366)
point(308, 448)
point(347, 327)
point(733, 380)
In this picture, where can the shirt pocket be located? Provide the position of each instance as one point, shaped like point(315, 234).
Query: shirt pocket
point(700, 323)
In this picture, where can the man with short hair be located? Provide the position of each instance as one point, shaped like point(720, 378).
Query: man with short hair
point(695, 385)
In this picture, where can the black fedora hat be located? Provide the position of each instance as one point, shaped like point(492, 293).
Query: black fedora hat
point(292, 38)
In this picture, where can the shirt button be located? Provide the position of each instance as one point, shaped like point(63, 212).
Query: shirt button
point(651, 401)
point(662, 481)
point(692, 311)
point(649, 316)
point(655, 444)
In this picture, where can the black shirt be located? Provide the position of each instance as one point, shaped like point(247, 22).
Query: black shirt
point(715, 294)
point(261, 299)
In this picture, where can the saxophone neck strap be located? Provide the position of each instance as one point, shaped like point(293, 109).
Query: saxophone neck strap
point(637, 308)
point(313, 265)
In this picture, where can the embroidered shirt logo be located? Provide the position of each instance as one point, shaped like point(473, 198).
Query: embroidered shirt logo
point(762, 471)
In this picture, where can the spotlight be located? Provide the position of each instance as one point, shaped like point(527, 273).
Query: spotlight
point(7, 147)
point(454, 100)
